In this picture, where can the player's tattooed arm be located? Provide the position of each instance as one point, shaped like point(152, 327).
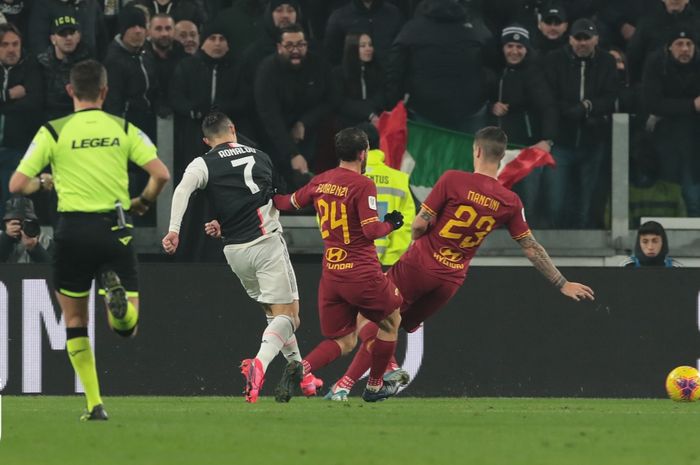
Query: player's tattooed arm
point(541, 260)
point(421, 223)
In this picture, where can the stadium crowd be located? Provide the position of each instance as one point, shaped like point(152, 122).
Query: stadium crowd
point(290, 73)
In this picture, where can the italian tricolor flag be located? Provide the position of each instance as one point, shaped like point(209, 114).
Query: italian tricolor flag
point(427, 151)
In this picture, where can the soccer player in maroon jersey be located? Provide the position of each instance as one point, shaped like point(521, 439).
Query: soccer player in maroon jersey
point(352, 280)
point(461, 210)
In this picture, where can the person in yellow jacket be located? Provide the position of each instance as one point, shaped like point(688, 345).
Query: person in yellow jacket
point(393, 193)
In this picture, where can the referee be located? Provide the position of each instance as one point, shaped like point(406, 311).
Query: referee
point(88, 152)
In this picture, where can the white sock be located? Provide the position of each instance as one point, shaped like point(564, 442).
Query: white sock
point(290, 350)
point(277, 333)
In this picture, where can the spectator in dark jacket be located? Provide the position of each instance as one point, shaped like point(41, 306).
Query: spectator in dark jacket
point(437, 60)
point(522, 104)
point(178, 9)
point(583, 79)
point(87, 12)
point(671, 91)
point(361, 80)
point(166, 53)
point(381, 20)
point(293, 93)
point(133, 82)
point(551, 30)
point(209, 79)
point(56, 62)
point(17, 13)
point(244, 21)
point(20, 103)
point(187, 33)
point(655, 27)
point(22, 240)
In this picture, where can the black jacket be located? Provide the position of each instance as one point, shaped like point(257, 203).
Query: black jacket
point(437, 59)
point(544, 45)
point(668, 91)
point(284, 95)
point(195, 77)
point(22, 116)
point(562, 69)
point(532, 112)
point(382, 21)
point(87, 12)
point(165, 69)
point(133, 86)
point(353, 106)
point(55, 74)
point(652, 33)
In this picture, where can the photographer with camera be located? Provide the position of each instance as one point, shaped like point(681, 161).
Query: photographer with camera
point(22, 240)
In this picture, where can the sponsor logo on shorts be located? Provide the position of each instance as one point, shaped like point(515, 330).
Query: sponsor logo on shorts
point(449, 258)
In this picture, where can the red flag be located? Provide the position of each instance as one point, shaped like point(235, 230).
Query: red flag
point(393, 135)
point(515, 167)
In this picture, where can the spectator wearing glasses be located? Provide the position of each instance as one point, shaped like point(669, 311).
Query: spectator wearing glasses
point(551, 30)
point(66, 49)
point(294, 91)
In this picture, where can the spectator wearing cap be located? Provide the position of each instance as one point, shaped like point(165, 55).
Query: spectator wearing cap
point(378, 18)
point(438, 62)
point(551, 30)
point(177, 9)
point(521, 103)
point(206, 80)
point(655, 27)
point(671, 92)
point(66, 49)
point(20, 103)
point(166, 53)
point(583, 79)
point(22, 241)
point(187, 34)
point(294, 91)
point(88, 13)
point(133, 80)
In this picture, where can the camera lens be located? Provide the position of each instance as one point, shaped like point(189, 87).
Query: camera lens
point(31, 228)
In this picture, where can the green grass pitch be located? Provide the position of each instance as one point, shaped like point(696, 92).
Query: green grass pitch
point(225, 430)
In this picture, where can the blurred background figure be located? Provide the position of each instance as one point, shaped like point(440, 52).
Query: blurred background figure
point(651, 248)
point(22, 240)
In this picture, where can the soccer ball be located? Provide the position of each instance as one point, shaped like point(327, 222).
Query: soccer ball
point(683, 384)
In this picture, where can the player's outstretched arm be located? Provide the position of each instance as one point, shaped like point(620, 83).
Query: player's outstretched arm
point(421, 223)
point(541, 260)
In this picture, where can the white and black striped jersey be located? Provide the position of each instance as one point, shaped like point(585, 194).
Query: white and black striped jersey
point(238, 181)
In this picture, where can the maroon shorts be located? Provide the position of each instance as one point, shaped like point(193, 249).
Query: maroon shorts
point(423, 294)
point(339, 303)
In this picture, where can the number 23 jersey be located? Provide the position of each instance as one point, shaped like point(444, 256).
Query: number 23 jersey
point(467, 207)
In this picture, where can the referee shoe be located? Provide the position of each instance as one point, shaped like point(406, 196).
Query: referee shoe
point(97, 413)
point(115, 294)
point(292, 375)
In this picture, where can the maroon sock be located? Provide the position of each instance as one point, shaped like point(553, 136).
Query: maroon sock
point(362, 360)
point(381, 354)
point(323, 354)
point(368, 331)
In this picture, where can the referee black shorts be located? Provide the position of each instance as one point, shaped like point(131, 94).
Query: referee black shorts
point(87, 244)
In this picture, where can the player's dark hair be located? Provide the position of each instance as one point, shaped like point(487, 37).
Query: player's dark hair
point(372, 134)
point(290, 29)
point(87, 78)
point(493, 141)
point(349, 143)
point(214, 124)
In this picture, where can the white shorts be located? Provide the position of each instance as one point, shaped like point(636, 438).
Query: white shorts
point(264, 269)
